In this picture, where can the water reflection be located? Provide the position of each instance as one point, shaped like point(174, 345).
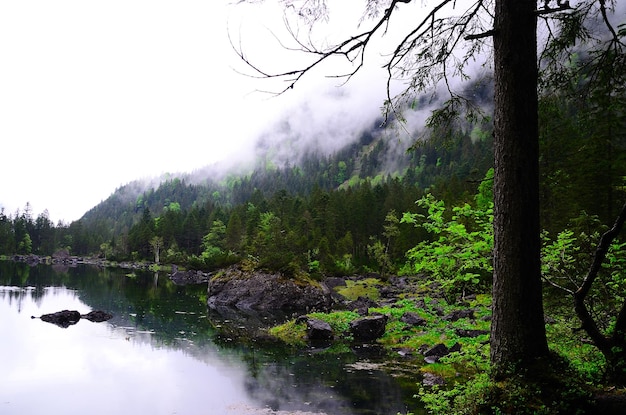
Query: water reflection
point(159, 354)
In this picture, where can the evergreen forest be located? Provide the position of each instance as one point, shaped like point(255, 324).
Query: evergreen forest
point(420, 206)
point(342, 213)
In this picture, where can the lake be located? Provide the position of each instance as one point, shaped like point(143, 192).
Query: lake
point(164, 353)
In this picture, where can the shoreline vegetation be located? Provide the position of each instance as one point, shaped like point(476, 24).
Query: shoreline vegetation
point(443, 340)
point(73, 260)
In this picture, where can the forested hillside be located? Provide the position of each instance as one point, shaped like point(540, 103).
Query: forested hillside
point(338, 212)
point(324, 208)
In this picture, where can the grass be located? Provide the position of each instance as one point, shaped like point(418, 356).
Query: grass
point(368, 288)
point(562, 386)
point(291, 333)
point(399, 335)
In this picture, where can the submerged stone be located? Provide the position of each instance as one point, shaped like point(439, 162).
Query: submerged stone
point(68, 318)
point(97, 316)
point(62, 319)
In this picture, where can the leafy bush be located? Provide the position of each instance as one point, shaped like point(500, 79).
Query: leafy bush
point(459, 256)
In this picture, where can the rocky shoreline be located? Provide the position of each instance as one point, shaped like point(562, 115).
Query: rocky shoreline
point(65, 259)
point(255, 293)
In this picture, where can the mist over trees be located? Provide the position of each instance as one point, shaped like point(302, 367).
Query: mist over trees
point(326, 189)
point(439, 208)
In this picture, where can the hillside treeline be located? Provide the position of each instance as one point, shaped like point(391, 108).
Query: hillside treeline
point(340, 213)
point(321, 214)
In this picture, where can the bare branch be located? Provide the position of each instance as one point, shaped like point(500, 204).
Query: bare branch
point(608, 24)
point(549, 10)
point(434, 40)
point(558, 286)
point(588, 323)
point(352, 49)
point(488, 33)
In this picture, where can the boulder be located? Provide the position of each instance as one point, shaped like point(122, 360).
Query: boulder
point(189, 277)
point(470, 333)
point(413, 319)
point(263, 291)
point(438, 351)
point(97, 316)
point(61, 254)
point(67, 318)
point(430, 379)
point(368, 329)
point(421, 304)
point(318, 330)
point(435, 353)
point(459, 314)
point(62, 319)
point(394, 288)
point(362, 305)
point(333, 282)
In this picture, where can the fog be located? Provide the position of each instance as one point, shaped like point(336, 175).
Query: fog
point(97, 94)
point(94, 95)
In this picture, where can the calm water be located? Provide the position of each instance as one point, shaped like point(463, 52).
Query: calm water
point(163, 353)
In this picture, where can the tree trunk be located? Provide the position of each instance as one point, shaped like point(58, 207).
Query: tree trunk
point(518, 331)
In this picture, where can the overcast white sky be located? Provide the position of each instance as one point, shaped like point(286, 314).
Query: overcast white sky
point(95, 94)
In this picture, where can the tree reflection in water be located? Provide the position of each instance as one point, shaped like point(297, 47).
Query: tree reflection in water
point(152, 347)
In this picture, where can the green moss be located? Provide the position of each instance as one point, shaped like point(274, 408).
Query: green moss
point(558, 388)
point(339, 321)
point(585, 358)
point(443, 370)
point(367, 288)
point(291, 333)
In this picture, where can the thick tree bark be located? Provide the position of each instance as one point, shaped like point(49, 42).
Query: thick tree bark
point(518, 330)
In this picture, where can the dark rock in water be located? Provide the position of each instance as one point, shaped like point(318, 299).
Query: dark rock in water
point(97, 316)
point(31, 260)
point(262, 291)
point(368, 329)
point(470, 333)
point(431, 379)
point(413, 319)
point(369, 351)
point(404, 352)
point(317, 330)
point(189, 277)
point(232, 323)
point(459, 314)
point(67, 318)
point(362, 305)
point(62, 319)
